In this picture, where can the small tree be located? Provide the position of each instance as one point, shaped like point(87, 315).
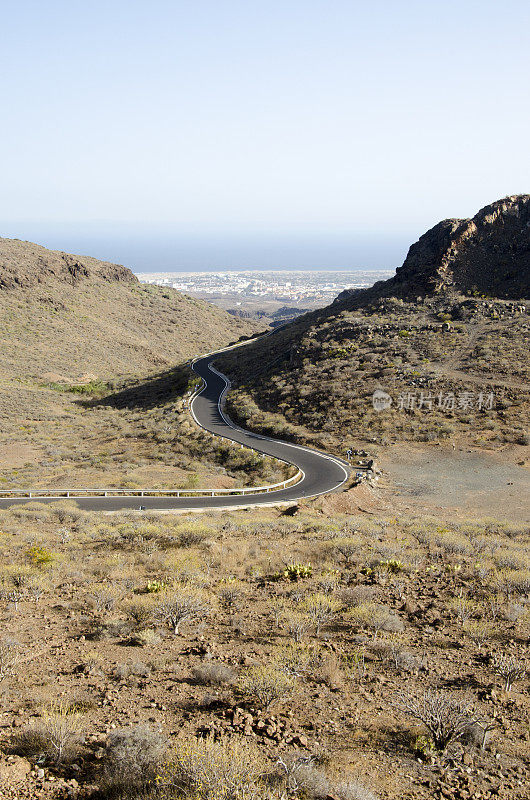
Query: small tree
point(185, 604)
point(446, 718)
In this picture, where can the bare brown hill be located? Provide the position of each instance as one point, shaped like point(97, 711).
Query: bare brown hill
point(74, 328)
point(24, 264)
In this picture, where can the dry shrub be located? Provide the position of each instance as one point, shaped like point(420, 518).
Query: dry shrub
point(479, 630)
point(230, 769)
point(517, 581)
point(193, 534)
point(329, 672)
point(463, 607)
point(213, 673)
point(298, 624)
point(509, 668)
point(348, 548)
point(299, 774)
point(231, 594)
point(267, 684)
point(511, 559)
point(140, 610)
point(54, 738)
point(137, 669)
point(186, 569)
point(134, 758)
point(376, 616)
point(350, 789)
point(352, 596)
point(328, 581)
point(445, 717)
point(9, 657)
point(296, 660)
point(452, 542)
point(105, 597)
point(16, 575)
point(147, 637)
point(320, 608)
point(184, 604)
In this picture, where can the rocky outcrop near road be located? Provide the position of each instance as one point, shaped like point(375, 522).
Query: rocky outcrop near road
point(489, 254)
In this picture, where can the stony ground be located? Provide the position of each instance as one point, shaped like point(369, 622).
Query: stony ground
point(302, 664)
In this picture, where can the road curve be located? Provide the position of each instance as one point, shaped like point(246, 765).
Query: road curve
point(321, 473)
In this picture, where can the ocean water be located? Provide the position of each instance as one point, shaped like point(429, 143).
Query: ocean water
point(144, 251)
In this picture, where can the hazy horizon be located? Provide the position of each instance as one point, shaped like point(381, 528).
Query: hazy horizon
point(158, 253)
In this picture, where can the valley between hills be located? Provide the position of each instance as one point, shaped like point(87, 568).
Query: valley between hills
point(370, 644)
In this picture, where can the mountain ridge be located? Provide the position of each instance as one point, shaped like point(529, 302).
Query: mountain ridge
point(25, 264)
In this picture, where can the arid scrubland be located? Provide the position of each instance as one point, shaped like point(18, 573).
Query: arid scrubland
point(90, 394)
point(455, 368)
point(262, 655)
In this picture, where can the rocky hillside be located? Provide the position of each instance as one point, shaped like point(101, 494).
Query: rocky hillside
point(489, 253)
point(443, 327)
point(24, 264)
point(74, 328)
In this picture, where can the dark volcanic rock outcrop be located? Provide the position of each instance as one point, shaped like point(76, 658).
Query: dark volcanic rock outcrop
point(489, 253)
point(24, 264)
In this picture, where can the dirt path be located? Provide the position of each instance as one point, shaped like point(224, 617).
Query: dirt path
point(451, 369)
point(497, 380)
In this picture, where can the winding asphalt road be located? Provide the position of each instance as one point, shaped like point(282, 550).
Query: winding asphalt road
point(321, 473)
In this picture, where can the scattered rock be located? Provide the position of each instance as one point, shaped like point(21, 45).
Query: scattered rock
point(13, 769)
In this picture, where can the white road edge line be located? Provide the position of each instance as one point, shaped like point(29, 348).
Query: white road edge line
point(232, 425)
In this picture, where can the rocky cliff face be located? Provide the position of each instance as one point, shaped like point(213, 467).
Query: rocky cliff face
point(489, 253)
point(24, 264)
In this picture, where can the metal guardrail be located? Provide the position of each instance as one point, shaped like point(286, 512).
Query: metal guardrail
point(44, 493)
point(19, 494)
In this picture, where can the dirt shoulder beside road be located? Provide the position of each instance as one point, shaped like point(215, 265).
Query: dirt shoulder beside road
point(466, 480)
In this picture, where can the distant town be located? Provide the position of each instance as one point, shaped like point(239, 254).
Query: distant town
point(265, 291)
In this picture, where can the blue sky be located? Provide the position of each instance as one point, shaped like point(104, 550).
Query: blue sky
point(297, 133)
